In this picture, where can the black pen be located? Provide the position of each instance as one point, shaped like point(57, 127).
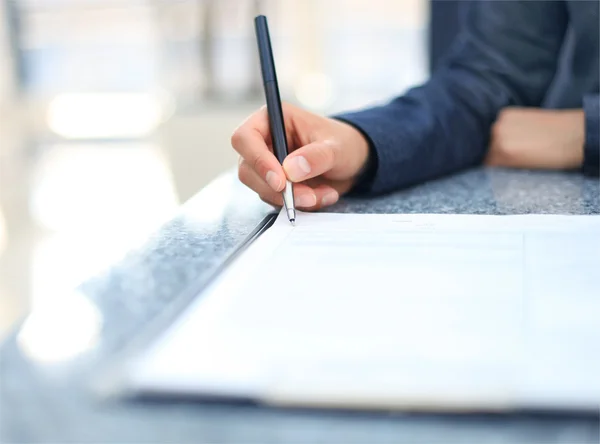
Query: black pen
point(267, 65)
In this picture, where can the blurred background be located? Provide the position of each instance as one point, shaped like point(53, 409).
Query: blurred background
point(114, 112)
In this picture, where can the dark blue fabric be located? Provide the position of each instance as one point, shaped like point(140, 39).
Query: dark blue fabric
point(445, 18)
point(507, 54)
point(591, 106)
point(444, 21)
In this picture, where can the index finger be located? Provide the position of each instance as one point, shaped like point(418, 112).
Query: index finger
point(249, 140)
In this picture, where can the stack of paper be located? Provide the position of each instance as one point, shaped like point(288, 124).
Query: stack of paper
point(400, 311)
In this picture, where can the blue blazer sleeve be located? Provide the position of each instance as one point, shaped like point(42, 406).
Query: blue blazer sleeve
point(591, 157)
point(505, 55)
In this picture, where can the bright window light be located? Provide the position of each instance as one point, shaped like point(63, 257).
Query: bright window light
point(60, 330)
point(105, 115)
point(109, 188)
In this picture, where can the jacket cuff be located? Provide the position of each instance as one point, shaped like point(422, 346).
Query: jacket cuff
point(591, 157)
point(390, 171)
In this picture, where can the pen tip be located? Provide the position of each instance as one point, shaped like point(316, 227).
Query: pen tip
point(293, 222)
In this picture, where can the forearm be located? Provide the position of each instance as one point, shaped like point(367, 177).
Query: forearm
point(505, 56)
point(433, 130)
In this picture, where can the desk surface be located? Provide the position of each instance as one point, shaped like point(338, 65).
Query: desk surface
point(41, 403)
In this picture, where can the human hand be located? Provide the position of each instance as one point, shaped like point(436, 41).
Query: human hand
point(325, 157)
point(537, 138)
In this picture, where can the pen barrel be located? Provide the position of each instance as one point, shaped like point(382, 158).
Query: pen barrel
point(276, 122)
point(267, 66)
point(265, 52)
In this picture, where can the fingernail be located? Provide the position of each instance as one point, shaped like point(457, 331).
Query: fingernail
point(330, 198)
point(297, 168)
point(273, 180)
point(306, 200)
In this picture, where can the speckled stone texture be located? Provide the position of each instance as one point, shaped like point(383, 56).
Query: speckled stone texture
point(54, 404)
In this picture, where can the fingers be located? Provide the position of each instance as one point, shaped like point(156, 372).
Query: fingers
point(249, 141)
point(260, 170)
point(305, 197)
point(310, 161)
point(326, 196)
point(252, 180)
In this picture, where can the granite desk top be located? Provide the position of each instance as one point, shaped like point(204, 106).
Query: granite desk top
point(43, 402)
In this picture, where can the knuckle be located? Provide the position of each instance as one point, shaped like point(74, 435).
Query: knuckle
point(260, 165)
point(325, 154)
point(237, 137)
point(501, 151)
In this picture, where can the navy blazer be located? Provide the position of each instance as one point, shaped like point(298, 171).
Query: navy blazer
point(506, 54)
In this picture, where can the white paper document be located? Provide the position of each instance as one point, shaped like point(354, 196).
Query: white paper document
point(396, 311)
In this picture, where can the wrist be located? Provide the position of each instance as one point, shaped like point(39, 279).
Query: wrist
point(365, 156)
point(575, 129)
point(355, 141)
point(356, 144)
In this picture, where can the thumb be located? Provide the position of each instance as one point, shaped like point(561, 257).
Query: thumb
point(311, 160)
